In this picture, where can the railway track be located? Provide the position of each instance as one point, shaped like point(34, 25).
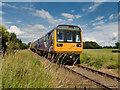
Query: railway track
point(105, 80)
point(102, 79)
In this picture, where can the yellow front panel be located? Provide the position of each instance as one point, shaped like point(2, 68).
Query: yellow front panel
point(67, 47)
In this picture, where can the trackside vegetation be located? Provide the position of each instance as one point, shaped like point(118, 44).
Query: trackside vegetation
point(24, 70)
point(100, 58)
point(10, 42)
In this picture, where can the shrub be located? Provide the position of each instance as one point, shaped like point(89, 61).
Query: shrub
point(112, 66)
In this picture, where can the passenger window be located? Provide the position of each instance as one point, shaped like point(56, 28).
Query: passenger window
point(78, 37)
point(69, 37)
point(60, 36)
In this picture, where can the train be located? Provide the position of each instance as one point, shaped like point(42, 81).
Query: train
point(63, 44)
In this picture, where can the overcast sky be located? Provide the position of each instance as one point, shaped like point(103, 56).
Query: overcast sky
point(30, 20)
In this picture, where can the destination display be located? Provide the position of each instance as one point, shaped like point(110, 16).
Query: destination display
point(68, 28)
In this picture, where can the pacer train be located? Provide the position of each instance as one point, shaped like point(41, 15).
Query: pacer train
point(63, 44)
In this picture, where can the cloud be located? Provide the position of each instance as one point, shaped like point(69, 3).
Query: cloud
point(98, 23)
point(107, 33)
point(83, 9)
point(9, 5)
point(46, 15)
point(111, 16)
point(89, 39)
point(1, 12)
point(15, 29)
point(72, 11)
point(70, 17)
point(34, 28)
point(99, 18)
point(93, 7)
point(67, 15)
point(33, 32)
point(70, 20)
point(26, 8)
point(78, 16)
point(83, 26)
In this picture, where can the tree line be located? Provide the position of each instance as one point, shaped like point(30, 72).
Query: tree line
point(10, 42)
point(94, 45)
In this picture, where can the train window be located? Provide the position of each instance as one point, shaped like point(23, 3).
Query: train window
point(60, 36)
point(69, 37)
point(77, 37)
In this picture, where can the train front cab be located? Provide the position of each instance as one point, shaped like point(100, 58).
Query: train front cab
point(66, 41)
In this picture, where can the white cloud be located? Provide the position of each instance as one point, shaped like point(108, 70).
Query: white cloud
point(111, 16)
point(46, 15)
point(83, 9)
point(1, 12)
point(0, 3)
point(72, 11)
point(99, 18)
point(89, 39)
point(78, 16)
point(98, 23)
point(67, 15)
point(93, 7)
point(70, 20)
point(107, 33)
point(70, 17)
point(42, 13)
point(26, 8)
point(15, 29)
point(9, 5)
point(33, 32)
point(83, 26)
point(36, 27)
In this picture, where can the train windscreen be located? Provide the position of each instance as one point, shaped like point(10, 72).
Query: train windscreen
point(68, 36)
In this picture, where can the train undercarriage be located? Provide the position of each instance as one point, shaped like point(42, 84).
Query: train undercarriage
point(60, 58)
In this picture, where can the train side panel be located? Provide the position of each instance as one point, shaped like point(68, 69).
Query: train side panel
point(45, 43)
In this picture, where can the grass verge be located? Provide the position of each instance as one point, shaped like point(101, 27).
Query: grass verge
point(24, 70)
point(100, 58)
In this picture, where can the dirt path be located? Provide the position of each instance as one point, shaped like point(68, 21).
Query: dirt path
point(63, 78)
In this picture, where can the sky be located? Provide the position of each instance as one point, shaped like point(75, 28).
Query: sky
point(32, 20)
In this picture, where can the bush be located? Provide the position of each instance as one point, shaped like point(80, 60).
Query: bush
point(112, 66)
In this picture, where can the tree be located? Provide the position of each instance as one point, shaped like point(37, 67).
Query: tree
point(23, 46)
point(108, 47)
point(5, 38)
point(10, 42)
point(29, 44)
point(117, 45)
point(91, 45)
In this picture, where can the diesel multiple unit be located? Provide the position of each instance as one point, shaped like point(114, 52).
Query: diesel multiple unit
point(64, 40)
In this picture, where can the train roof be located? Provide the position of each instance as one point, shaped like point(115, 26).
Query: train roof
point(70, 27)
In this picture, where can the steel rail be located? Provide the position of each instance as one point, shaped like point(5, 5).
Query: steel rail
point(102, 73)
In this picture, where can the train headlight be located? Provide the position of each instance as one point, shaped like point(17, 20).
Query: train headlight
point(59, 45)
point(78, 45)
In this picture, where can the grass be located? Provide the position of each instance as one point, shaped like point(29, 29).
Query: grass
point(100, 58)
point(24, 70)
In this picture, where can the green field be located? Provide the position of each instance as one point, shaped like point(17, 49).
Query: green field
point(24, 70)
point(100, 58)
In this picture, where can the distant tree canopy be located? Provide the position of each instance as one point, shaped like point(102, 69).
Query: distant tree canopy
point(29, 44)
point(10, 42)
point(107, 47)
point(91, 45)
point(94, 45)
point(117, 45)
